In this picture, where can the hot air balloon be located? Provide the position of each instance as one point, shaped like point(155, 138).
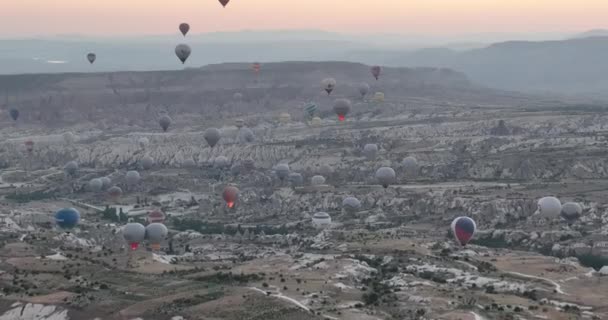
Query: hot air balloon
point(14, 114)
point(316, 121)
point(67, 218)
point(230, 195)
point(29, 145)
point(351, 204)
point(184, 28)
point(385, 176)
point(105, 182)
point(379, 97)
point(571, 211)
point(224, 2)
point(256, 67)
point(321, 220)
point(134, 234)
point(549, 207)
point(132, 177)
point(410, 166)
point(376, 70)
point(239, 123)
point(328, 85)
point(69, 137)
point(370, 151)
point(156, 233)
point(284, 118)
point(317, 180)
point(71, 168)
point(221, 162)
point(147, 162)
point(246, 135)
point(295, 179)
point(342, 108)
point(115, 192)
point(156, 216)
point(463, 229)
point(189, 163)
point(363, 89)
point(310, 110)
point(212, 136)
point(182, 51)
point(91, 57)
point(164, 122)
point(144, 142)
point(282, 171)
point(95, 185)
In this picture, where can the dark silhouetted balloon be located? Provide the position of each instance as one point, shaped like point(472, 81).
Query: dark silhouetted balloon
point(14, 114)
point(385, 176)
point(164, 122)
point(182, 51)
point(329, 84)
point(463, 229)
point(156, 233)
point(376, 70)
point(184, 28)
point(246, 135)
point(351, 204)
point(571, 211)
point(67, 218)
point(212, 136)
point(91, 57)
point(224, 2)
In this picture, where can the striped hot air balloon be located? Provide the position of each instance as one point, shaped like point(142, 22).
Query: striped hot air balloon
point(310, 110)
point(463, 229)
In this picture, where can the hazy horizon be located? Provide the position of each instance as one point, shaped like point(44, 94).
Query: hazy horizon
point(419, 17)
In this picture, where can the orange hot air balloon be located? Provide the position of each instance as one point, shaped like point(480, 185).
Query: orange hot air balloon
point(29, 146)
point(231, 194)
point(256, 67)
point(224, 2)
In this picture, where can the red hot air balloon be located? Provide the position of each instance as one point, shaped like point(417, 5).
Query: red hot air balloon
point(463, 229)
point(184, 28)
point(224, 2)
point(231, 194)
point(256, 66)
point(156, 216)
point(376, 70)
point(29, 146)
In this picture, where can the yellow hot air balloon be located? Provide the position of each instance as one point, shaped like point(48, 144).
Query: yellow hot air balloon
point(284, 118)
point(379, 97)
point(316, 121)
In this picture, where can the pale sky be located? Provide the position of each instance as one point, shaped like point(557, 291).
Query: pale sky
point(139, 17)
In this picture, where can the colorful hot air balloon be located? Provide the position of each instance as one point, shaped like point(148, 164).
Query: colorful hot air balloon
point(156, 233)
point(230, 195)
point(164, 122)
point(328, 85)
point(321, 220)
point(224, 2)
point(134, 234)
point(182, 51)
point(67, 218)
point(14, 114)
point(156, 216)
point(342, 108)
point(29, 145)
point(91, 57)
point(463, 229)
point(310, 110)
point(376, 70)
point(184, 28)
point(256, 66)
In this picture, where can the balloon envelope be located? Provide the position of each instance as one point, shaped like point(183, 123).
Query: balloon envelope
point(212, 136)
point(67, 218)
point(351, 204)
point(363, 89)
point(230, 195)
point(182, 51)
point(134, 234)
point(321, 220)
point(385, 176)
point(224, 2)
point(95, 185)
point(296, 179)
point(342, 108)
point(132, 177)
point(156, 233)
point(246, 135)
point(328, 85)
point(376, 70)
point(91, 57)
point(184, 28)
point(115, 192)
point(370, 151)
point(147, 162)
point(14, 114)
point(549, 207)
point(317, 180)
point(463, 229)
point(282, 170)
point(164, 122)
point(571, 211)
point(71, 168)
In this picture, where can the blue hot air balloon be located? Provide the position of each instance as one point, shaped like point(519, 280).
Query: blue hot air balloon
point(67, 218)
point(14, 114)
point(463, 229)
